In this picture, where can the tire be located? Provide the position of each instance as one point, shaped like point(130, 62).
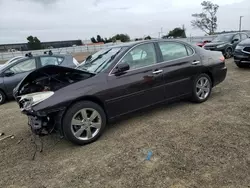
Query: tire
point(202, 87)
point(240, 65)
point(228, 53)
point(2, 97)
point(84, 122)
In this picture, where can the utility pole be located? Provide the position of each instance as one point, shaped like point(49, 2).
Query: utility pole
point(240, 23)
point(160, 33)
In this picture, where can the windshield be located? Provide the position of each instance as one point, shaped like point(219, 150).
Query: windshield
point(99, 61)
point(223, 38)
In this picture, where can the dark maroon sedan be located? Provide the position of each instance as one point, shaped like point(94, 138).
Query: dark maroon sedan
point(116, 81)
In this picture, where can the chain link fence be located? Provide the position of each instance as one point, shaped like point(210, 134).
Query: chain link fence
point(89, 49)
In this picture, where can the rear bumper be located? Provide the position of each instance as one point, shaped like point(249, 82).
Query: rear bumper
point(219, 75)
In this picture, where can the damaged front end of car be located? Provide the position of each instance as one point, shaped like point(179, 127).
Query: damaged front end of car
point(34, 95)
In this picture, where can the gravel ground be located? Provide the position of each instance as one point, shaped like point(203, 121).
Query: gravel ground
point(193, 145)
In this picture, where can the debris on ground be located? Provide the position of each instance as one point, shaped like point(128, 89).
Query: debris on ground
point(9, 136)
point(149, 155)
point(19, 141)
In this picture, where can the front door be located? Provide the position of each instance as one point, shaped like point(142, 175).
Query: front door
point(140, 86)
point(18, 72)
point(236, 40)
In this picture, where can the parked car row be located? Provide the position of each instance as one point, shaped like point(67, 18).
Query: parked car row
point(14, 70)
point(235, 45)
point(78, 102)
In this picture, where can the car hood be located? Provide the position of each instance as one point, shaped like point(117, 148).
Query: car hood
point(51, 77)
point(214, 44)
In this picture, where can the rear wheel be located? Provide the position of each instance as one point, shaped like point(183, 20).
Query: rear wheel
point(84, 122)
point(202, 87)
point(228, 53)
point(2, 97)
point(240, 65)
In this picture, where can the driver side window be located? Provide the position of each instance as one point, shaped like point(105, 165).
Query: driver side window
point(140, 56)
point(236, 37)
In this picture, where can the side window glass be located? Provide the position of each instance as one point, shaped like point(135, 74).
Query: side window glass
point(243, 36)
point(50, 60)
point(172, 50)
point(60, 60)
point(189, 50)
point(140, 56)
point(25, 66)
point(237, 37)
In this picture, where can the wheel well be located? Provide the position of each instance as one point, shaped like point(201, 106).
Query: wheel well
point(3, 92)
point(89, 98)
point(228, 48)
point(210, 76)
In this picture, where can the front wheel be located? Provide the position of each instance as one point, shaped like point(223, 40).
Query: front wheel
point(2, 97)
point(84, 122)
point(202, 87)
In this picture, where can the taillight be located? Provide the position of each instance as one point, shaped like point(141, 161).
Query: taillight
point(222, 59)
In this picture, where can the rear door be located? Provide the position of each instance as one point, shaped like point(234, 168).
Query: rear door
point(180, 64)
point(19, 70)
point(142, 85)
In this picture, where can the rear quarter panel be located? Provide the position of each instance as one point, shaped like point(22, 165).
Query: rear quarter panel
point(213, 65)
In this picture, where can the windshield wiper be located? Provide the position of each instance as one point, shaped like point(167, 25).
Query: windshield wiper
point(99, 56)
point(111, 58)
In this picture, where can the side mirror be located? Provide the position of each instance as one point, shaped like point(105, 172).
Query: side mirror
point(235, 40)
point(121, 68)
point(8, 73)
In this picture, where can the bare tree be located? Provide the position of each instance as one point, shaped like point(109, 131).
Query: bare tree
point(207, 20)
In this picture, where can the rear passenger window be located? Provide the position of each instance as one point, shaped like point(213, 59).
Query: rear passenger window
point(189, 50)
point(244, 36)
point(172, 50)
point(51, 60)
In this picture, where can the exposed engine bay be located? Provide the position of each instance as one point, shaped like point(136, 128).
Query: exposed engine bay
point(39, 85)
point(52, 82)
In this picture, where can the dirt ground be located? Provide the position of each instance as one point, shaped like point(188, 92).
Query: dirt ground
point(193, 145)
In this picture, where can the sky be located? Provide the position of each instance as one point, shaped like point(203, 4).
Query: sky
point(52, 20)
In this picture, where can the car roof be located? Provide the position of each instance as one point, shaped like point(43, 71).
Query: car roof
point(234, 33)
point(130, 44)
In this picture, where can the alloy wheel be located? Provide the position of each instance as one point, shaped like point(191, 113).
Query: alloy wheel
point(86, 124)
point(203, 88)
point(228, 53)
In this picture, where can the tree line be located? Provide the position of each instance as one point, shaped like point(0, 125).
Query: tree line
point(120, 37)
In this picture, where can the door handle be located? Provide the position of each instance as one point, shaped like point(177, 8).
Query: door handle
point(196, 62)
point(157, 72)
